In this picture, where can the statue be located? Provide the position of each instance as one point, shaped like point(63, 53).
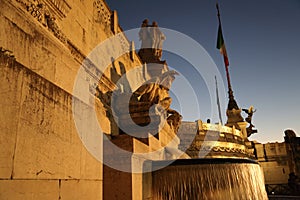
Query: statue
point(157, 39)
point(144, 35)
point(148, 92)
point(250, 112)
point(290, 133)
point(248, 119)
point(156, 91)
point(151, 42)
point(174, 119)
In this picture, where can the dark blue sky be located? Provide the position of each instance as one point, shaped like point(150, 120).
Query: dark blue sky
point(262, 40)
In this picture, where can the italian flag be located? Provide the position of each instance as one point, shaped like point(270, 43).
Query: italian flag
point(221, 46)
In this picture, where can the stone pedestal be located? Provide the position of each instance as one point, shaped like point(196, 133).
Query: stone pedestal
point(123, 185)
point(233, 117)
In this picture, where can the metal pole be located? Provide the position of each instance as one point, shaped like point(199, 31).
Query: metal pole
point(230, 92)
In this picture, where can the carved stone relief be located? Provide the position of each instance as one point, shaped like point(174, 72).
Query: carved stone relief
point(101, 12)
point(43, 14)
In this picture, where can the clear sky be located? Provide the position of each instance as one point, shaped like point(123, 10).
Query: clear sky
point(262, 38)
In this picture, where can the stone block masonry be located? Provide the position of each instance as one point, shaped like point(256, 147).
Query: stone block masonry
point(41, 154)
point(43, 43)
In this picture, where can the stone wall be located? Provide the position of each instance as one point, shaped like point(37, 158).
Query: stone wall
point(41, 155)
point(56, 49)
point(43, 44)
point(274, 160)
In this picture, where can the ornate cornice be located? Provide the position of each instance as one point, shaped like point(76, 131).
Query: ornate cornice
point(221, 147)
point(46, 14)
point(59, 7)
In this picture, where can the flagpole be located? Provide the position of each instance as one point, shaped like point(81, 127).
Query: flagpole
point(232, 103)
point(218, 101)
point(226, 67)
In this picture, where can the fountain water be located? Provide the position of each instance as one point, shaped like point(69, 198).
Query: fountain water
point(208, 179)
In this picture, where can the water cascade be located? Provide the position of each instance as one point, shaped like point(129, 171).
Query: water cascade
point(209, 179)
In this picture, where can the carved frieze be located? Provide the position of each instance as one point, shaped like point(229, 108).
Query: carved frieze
point(46, 15)
point(47, 12)
point(59, 8)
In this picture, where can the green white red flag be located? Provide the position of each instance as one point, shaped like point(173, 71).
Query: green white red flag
point(221, 46)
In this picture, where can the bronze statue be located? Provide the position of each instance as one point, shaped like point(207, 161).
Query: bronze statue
point(250, 112)
point(248, 119)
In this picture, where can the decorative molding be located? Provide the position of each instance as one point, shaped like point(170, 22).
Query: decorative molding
point(229, 150)
point(45, 12)
point(104, 16)
point(41, 12)
point(59, 7)
point(6, 57)
point(132, 51)
point(244, 151)
point(7, 53)
point(124, 43)
point(97, 77)
point(93, 73)
point(102, 13)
